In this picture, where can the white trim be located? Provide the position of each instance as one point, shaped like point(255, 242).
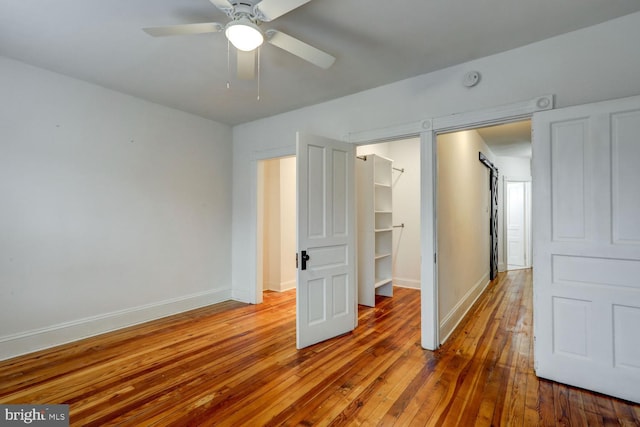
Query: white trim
point(274, 153)
point(496, 115)
point(388, 133)
point(242, 296)
point(492, 116)
point(281, 286)
point(62, 333)
point(406, 283)
point(287, 286)
point(429, 311)
point(457, 313)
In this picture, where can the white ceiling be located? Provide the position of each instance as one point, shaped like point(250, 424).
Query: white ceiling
point(375, 42)
point(509, 140)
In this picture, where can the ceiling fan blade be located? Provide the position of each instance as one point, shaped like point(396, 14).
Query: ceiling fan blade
point(300, 49)
point(246, 64)
point(178, 30)
point(268, 10)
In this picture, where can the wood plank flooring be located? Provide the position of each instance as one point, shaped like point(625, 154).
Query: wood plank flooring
point(236, 365)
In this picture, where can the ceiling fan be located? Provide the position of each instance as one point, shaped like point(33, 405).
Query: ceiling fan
point(243, 31)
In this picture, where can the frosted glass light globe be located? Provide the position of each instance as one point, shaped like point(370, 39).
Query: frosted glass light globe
point(244, 34)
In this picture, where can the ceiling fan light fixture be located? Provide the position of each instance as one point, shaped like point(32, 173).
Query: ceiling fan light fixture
point(244, 34)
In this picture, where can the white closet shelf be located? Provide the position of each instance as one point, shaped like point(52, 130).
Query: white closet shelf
point(381, 282)
point(379, 184)
point(375, 234)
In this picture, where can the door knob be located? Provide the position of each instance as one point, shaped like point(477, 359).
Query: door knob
point(304, 257)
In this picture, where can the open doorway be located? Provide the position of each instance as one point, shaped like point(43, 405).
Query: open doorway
point(276, 225)
point(511, 145)
point(469, 230)
point(394, 230)
point(517, 220)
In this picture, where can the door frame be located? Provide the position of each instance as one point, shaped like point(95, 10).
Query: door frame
point(428, 131)
point(255, 256)
point(260, 267)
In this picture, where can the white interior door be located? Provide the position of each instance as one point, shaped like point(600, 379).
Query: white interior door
point(516, 225)
point(586, 203)
point(326, 304)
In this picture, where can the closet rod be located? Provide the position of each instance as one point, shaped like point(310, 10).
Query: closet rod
point(399, 226)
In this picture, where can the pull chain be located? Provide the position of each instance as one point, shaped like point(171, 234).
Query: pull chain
point(258, 53)
point(228, 65)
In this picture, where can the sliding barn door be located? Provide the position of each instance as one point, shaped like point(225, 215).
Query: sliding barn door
point(493, 224)
point(326, 293)
point(586, 201)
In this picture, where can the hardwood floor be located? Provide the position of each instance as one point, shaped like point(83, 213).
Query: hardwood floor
point(235, 364)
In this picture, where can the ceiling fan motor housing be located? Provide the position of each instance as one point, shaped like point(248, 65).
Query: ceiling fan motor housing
point(245, 9)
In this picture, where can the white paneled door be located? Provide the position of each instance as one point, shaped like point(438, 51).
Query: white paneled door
point(586, 201)
point(516, 226)
point(326, 293)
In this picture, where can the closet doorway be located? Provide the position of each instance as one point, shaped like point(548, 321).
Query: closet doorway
point(405, 212)
point(277, 224)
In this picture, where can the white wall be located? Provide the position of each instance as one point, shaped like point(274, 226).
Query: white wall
point(114, 210)
point(406, 209)
point(271, 231)
point(588, 65)
point(463, 213)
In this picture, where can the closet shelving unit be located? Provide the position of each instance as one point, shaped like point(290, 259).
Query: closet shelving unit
point(375, 228)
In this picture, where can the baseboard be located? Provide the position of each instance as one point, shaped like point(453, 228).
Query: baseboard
point(242, 296)
point(287, 286)
point(453, 318)
point(281, 286)
point(406, 283)
point(62, 333)
point(271, 286)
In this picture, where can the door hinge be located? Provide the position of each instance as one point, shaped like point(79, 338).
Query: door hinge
point(435, 258)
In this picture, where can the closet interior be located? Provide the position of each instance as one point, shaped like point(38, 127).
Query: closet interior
point(388, 205)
